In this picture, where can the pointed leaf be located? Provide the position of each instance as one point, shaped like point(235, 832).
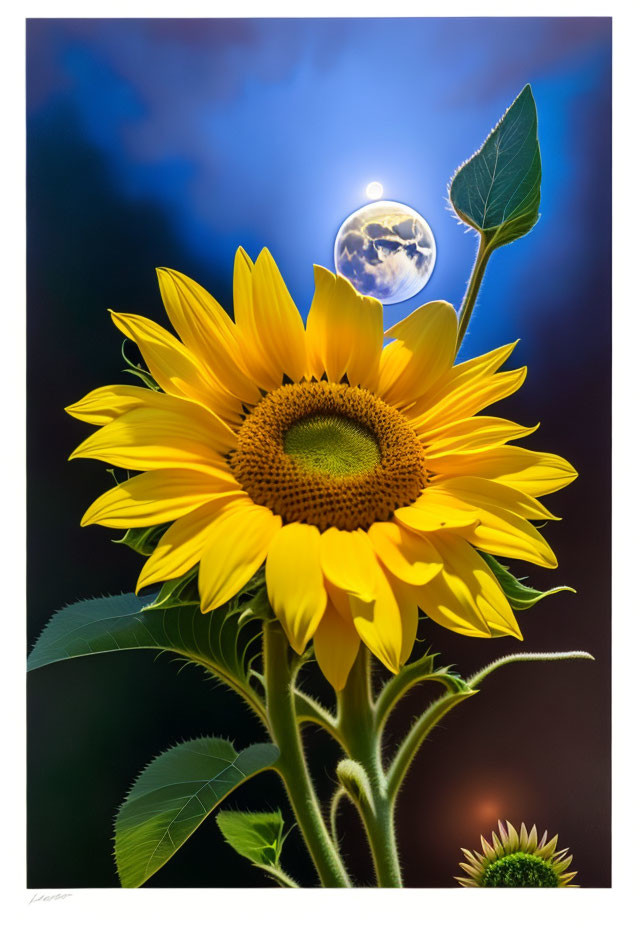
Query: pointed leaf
point(173, 795)
point(520, 596)
point(258, 836)
point(219, 641)
point(497, 191)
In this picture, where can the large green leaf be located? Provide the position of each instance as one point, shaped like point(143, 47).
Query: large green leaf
point(497, 191)
point(520, 596)
point(216, 640)
point(173, 795)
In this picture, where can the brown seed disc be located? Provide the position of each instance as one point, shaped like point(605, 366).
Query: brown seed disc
point(329, 455)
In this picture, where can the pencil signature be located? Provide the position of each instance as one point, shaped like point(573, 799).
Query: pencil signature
point(41, 897)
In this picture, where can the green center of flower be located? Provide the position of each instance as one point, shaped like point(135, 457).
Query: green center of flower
point(520, 870)
point(332, 445)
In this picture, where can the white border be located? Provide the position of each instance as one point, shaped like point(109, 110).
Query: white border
point(377, 907)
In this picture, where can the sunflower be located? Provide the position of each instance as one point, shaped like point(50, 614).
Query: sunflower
point(517, 860)
point(361, 474)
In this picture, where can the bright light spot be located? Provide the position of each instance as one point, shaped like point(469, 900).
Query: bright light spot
point(374, 190)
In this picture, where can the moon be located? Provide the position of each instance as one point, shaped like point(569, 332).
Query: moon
point(387, 250)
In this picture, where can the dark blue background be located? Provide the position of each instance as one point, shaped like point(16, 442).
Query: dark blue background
point(171, 142)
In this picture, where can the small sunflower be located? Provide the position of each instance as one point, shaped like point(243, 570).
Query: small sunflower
point(517, 860)
point(360, 473)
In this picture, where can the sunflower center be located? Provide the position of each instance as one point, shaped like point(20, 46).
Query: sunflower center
point(520, 870)
point(330, 455)
point(332, 445)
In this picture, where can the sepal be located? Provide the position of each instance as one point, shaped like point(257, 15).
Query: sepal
point(143, 540)
point(137, 370)
point(520, 596)
point(183, 591)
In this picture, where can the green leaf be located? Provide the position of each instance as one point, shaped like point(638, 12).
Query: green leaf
point(497, 191)
point(520, 596)
point(217, 641)
point(173, 795)
point(258, 836)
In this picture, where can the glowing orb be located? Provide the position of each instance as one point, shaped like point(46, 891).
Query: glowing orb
point(387, 250)
point(374, 190)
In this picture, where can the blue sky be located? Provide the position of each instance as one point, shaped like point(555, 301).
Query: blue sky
point(266, 132)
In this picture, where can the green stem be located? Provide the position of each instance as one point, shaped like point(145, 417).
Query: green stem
point(473, 681)
point(357, 726)
point(419, 731)
point(291, 764)
point(309, 710)
point(339, 794)
point(283, 879)
point(457, 694)
point(473, 287)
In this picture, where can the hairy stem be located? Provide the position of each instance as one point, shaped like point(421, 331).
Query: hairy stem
point(357, 726)
point(291, 764)
point(339, 794)
point(473, 681)
point(473, 287)
point(309, 710)
point(418, 732)
point(438, 709)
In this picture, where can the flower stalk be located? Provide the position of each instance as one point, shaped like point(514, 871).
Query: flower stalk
point(357, 726)
point(291, 765)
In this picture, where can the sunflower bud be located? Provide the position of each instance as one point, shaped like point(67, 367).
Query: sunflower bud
point(355, 782)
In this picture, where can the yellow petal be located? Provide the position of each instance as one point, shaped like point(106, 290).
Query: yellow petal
point(471, 371)
point(160, 496)
point(344, 332)
point(295, 582)
point(237, 546)
point(465, 596)
point(501, 532)
point(379, 623)
point(433, 512)
point(349, 563)
point(533, 472)
point(339, 599)
point(207, 331)
point(153, 438)
point(476, 433)
point(173, 366)
point(470, 397)
point(405, 596)
point(478, 491)
point(253, 359)
point(336, 643)
point(181, 546)
point(270, 328)
point(101, 406)
point(408, 556)
point(242, 298)
point(423, 351)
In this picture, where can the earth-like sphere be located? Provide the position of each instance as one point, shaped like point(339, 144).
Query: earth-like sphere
point(387, 250)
